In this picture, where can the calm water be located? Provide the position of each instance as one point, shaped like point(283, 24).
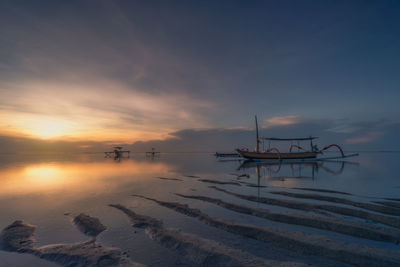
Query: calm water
point(48, 190)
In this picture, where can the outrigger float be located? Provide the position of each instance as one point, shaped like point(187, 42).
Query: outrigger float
point(302, 154)
point(226, 155)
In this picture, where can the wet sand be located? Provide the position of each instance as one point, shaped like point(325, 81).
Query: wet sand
point(218, 182)
point(196, 251)
point(252, 185)
point(226, 220)
point(18, 237)
point(169, 179)
point(387, 220)
point(356, 229)
point(192, 176)
point(89, 225)
point(322, 190)
point(389, 203)
point(367, 206)
point(295, 241)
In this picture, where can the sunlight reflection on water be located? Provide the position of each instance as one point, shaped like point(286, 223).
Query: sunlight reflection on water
point(76, 176)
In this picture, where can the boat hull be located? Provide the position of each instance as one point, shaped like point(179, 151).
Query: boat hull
point(268, 155)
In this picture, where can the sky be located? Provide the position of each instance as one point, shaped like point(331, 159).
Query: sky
point(191, 75)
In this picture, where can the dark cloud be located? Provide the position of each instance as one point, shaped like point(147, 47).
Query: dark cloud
point(368, 136)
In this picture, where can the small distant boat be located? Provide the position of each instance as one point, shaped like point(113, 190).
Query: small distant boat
point(274, 153)
point(117, 152)
point(153, 152)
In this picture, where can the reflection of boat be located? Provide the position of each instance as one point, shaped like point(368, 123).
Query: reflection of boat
point(274, 153)
point(272, 168)
point(153, 153)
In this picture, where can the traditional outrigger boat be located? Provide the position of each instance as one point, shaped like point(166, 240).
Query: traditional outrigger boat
point(273, 153)
point(117, 153)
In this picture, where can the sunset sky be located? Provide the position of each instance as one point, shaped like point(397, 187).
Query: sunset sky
point(102, 72)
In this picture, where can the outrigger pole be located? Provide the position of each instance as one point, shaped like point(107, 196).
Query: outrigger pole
point(257, 139)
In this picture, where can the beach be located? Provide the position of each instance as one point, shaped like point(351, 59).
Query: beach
point(193, 209)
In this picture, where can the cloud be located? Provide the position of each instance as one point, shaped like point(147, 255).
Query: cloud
point(63, 78)
point(282, 120)
point(97, 110)
point(344, 128)
point(218, 139)
point(108, 71)
point(369, 137)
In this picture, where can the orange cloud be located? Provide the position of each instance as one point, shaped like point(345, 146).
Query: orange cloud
point(97, 111)
point(85, 146)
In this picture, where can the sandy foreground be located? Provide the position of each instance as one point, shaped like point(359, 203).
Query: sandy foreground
point(382, 224)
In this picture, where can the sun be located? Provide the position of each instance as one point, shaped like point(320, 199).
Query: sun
point(47, 128)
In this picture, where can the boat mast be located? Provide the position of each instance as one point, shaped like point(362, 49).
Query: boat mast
point(311, 145)
point(257, 139)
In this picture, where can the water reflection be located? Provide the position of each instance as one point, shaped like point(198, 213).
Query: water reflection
point(295, 169)
point(42, 189)
point(77, 177)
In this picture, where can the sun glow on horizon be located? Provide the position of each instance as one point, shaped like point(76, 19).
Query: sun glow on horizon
point(105, 111)
point(50, 128)
point(60, 129)
point(38, 126)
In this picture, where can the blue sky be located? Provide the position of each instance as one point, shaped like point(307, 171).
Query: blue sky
point(128, 71)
